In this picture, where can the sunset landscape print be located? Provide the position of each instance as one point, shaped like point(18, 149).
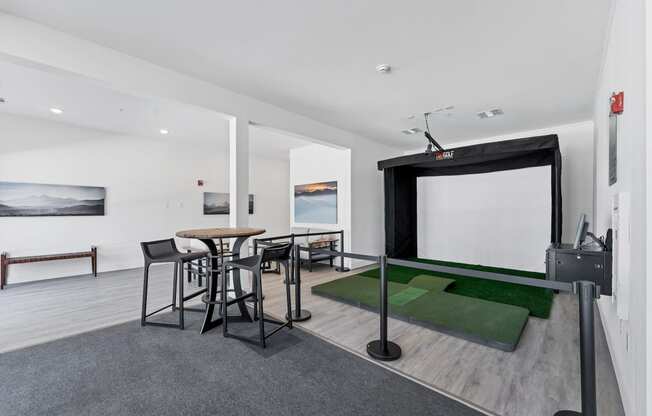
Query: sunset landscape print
point(316, 203)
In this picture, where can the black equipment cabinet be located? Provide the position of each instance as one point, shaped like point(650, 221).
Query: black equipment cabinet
point(566, 264)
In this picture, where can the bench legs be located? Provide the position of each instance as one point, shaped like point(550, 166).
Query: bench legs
point(3, 270)
point(94, 260)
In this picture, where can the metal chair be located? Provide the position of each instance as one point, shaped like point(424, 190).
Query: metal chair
point(253, 264)
point(165, 251)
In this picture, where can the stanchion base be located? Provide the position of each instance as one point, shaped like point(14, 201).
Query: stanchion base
point(300, 316)
point(567, 413)
point(375, 350)
point(343, 270)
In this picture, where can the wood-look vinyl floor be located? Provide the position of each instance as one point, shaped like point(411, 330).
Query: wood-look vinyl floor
point(539, 378)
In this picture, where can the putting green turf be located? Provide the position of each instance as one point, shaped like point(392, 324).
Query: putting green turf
point(537, 300)
point(424, 301)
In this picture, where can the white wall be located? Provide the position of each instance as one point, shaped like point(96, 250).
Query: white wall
point(269, 182)
point(25, 41)
point(317, 163)
point(624, 69)
point(151, 193)
point(499, 219)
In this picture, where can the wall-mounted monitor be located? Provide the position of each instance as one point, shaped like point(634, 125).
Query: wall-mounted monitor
point(580, 233)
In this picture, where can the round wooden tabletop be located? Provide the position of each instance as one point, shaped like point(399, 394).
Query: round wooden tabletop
point(226, 232)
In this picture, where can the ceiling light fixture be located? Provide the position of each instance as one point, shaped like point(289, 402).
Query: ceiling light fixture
point(164, 131)
point(441, 109)
point(55, 110)
point(383, 69)
point(490, 113)
point(413, 130)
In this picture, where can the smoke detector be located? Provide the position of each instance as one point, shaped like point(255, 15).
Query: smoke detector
point(490, 113)
point(383, 69)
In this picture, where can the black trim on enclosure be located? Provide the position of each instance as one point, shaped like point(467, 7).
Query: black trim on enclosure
point(401, 181)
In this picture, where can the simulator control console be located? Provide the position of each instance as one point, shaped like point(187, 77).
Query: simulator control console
point(580, 261)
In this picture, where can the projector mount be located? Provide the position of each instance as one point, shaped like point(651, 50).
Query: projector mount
point(431, 140)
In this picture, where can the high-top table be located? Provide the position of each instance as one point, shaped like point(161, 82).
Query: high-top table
point(207, 236)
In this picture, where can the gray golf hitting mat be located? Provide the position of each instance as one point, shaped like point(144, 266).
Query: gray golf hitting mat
point(130, 370)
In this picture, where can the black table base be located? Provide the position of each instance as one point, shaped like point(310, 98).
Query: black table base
point(209, 321)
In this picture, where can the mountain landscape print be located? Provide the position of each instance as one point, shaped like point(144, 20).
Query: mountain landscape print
point(316, 203)
point(19, 199)
point(217, 203)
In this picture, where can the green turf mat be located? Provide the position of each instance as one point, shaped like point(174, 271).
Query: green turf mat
point(406, 295)
point(423, 281)
point(537, 300)
point(490, 323)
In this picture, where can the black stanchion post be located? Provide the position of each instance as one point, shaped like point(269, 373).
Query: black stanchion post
point(382, 349)
point(298, 314)
point(293, 261)
point(342, 268)
point(586, 292)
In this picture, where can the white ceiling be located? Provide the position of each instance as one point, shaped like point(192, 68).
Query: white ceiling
point(537, 60)
point(32, 92)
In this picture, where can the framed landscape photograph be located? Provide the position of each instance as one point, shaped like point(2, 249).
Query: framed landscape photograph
point(316, 203)
point(18, 199)
point(217, 203)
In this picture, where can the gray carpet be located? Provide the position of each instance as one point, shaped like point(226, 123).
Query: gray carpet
point(129, 370)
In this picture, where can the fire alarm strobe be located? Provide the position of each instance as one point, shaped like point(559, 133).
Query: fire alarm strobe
point(617, 102)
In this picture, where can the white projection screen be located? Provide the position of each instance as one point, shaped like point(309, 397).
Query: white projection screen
point(497, 219)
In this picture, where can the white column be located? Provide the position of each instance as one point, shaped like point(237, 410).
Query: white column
point(239, 183)
point(239, 172)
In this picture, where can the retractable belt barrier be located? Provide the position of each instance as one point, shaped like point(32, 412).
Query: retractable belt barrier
point(587, 293)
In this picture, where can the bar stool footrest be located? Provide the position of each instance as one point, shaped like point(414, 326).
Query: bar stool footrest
point(162, 324)
point(171, 305)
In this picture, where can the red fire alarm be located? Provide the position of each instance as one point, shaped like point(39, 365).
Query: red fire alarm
point(617, 102)
point(200, 182)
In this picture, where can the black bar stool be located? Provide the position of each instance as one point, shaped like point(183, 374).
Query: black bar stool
point(165, 251)
point(279, 253)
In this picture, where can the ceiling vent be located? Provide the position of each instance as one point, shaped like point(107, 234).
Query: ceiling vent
point(490, 113)
point(413, 130)
point(443, 109)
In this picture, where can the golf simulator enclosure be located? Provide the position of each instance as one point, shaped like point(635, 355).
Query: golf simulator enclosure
point(487, 312)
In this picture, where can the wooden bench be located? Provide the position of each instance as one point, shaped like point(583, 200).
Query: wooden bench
point(5, 261)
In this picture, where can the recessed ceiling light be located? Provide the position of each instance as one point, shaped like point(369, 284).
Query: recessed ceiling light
point(55, 110)
point(383, 68)
point(164, 131)
point(413, 130)
point(490, 113)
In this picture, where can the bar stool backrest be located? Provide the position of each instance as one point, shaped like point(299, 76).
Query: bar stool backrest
point(154, 250)
point(278, 252)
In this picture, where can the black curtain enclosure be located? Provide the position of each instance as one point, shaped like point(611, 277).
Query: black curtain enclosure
point(401, 175)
